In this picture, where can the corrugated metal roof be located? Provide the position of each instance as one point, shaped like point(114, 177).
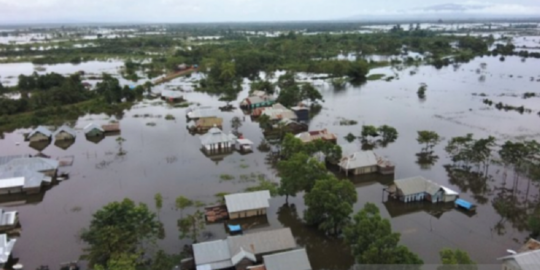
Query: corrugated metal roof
point(358, 160)
point(41, 129)
point(202, 112)
point(212, 252)
point(11, 182)
point(415, 185)
point(262, 242)
point(278, 111)
point(32, 164)
point(247, 201)
point(448, 191)
point(7, 218)
point(215, 135)
point(67, 130)
point(171, 94)
point(5, 248)
point(243, 255)
point(31, 179)
point(526, 260)
point(290, 260)
point(91, 127)
point(6, 159)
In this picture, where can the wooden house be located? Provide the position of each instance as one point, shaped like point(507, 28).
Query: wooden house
point(39, 134)
point(249, 204)
point(65, 133)
point(111, 128)
point(204, 124)
point(244, 145)
point(217, 140)
point(93, 130)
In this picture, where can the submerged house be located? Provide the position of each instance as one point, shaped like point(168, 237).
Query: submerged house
point(528, 260)
point(93, 130)
point(204, 124)
point(215, 140)
point(276, 113)
point(39, 134)
point(6, 247)
point(111, 128)
point(241, 251)
point(289, 260)
point(310, 136)
point(257, 99)
point(171, 96)
point(65, 133)
point(201, 112)
point(8, 220)
point(420, 189)
point(27, 175)
point(244, 145)
point(249, 204)
point(364, 162)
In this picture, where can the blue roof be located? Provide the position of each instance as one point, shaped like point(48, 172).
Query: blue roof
point(464, 204)
point(234, 228)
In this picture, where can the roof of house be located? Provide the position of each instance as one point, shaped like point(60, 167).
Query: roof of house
point(247, 201)
point(30, 179)
point(244, 141)
point(526, 260)
point(463, 203)
point(91, 127)
point(290, 260)
point(11, 182)
point(36, 164)
point(215, 135)
point(242, 254)
point(448, 191)
point(6, 159)
point(5, 248)
point(256, 99)
point(41, 129)
point(532, 244)
point(358, 160)
point(7, 218)
point(111, 127)
point(309, 136)
point(417, 184)
point(278, 111)
point(222, 253)
point(209, 122)
point(262, 242)
point(67, 130)
point(171, 94)
point(202, 112)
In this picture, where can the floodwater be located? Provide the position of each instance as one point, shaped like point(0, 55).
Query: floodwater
point(165, 158)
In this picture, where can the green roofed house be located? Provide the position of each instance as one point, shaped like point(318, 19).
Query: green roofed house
point(93, 130)
point(257, 99)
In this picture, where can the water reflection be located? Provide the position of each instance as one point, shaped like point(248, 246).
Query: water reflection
point(397, 208)
point(39, 146)
point(64, 144)
point(472, 181)
point(426, 160)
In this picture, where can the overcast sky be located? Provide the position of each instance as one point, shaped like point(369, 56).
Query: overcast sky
point(17, 11)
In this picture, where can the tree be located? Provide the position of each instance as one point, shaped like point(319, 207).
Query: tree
point(367, 132)
point(191, 225)
point(266, 86)
point(373, 242)
point(110, 89)
point(118, 228)
point(183, 203)
point(230, 93)
point(120, 141)
point(422, 91)
point(310, 93)
point(122, 261)
point(298, 173)
point(388, 134)
point(289, 96)
point(236, 123)
point(455, 259)
point(330, 204)
point(429, 138)
point(358, 70)
point(264, 122)
point(159, 202)
point(291, 145)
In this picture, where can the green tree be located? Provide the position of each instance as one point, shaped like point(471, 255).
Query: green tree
point(310, 93)
point(236, 123)
point(159, 202)
point(228, 72)
point(298, 173)
point(265, 86)
point(291, 145)
point(182, 203)
point(289, 96)
point(455, 260)
point(110, 89)
point(422, 92)
point(329, 204)
point(367, 132)
point(121, 261)
point(191, 225)
point(389, 134)
point(118, 228)
point(265, 122)
point(358, 70)
point(373, 242)
point(429, 138)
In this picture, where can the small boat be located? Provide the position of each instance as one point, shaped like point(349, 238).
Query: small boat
point(465, 205)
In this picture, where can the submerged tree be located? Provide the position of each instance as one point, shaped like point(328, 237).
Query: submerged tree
point(191, 225)
point(329, 204)
point(120, 141)
point(236, 123)
point(429, 138)
point(299, 173)
point(182, 203)
point(456, 259)
point(422, 91)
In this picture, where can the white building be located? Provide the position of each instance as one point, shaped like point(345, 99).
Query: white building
point(215, 139)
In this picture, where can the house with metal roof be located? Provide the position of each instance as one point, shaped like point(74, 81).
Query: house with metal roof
point(276, 113)
point(417, 188)
point(40, 133)
point(201, 112)
point(309, 136)
point(8, 220)
point(529, 260)
point(6, 247)
point(27, 175)
point(93, 130)
point(241, 251)
point(290, 260)
point(364, 162)
point(171, 96)
point(257, 99)
point(248, 204)
point(215, 140)
point(204, 124)
point(65, 133)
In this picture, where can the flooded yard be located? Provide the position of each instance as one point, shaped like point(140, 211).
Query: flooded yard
point(166, 158)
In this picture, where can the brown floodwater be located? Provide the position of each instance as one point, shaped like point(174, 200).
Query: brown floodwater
point(165, 158)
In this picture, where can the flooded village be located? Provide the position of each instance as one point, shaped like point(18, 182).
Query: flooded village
point(212, 165)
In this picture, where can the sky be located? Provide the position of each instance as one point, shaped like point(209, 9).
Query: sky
point(179, 11)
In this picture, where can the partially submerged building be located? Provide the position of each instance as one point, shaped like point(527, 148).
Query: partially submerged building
point(204, 124)
point(93, 130)
point(364, 162)
point(310, 136)
point(27, 175)
point(111, 128)
point(526, 260)
point(244, 145)
point(6, 247)
point(249, 204)
point(276, 113)
point(8, 220)
point(215, 140)
point(171, 96)
point(241, 251)
point(201, 112)
point(39, 134)
point(257, 99)
point(65, 133)
point(418, 188)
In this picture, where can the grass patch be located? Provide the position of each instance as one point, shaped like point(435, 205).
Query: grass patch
point(347, 122)
point(169, 117)
point(181, 105)
point(375, 77)
point(244, 166)
point(226, 177)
